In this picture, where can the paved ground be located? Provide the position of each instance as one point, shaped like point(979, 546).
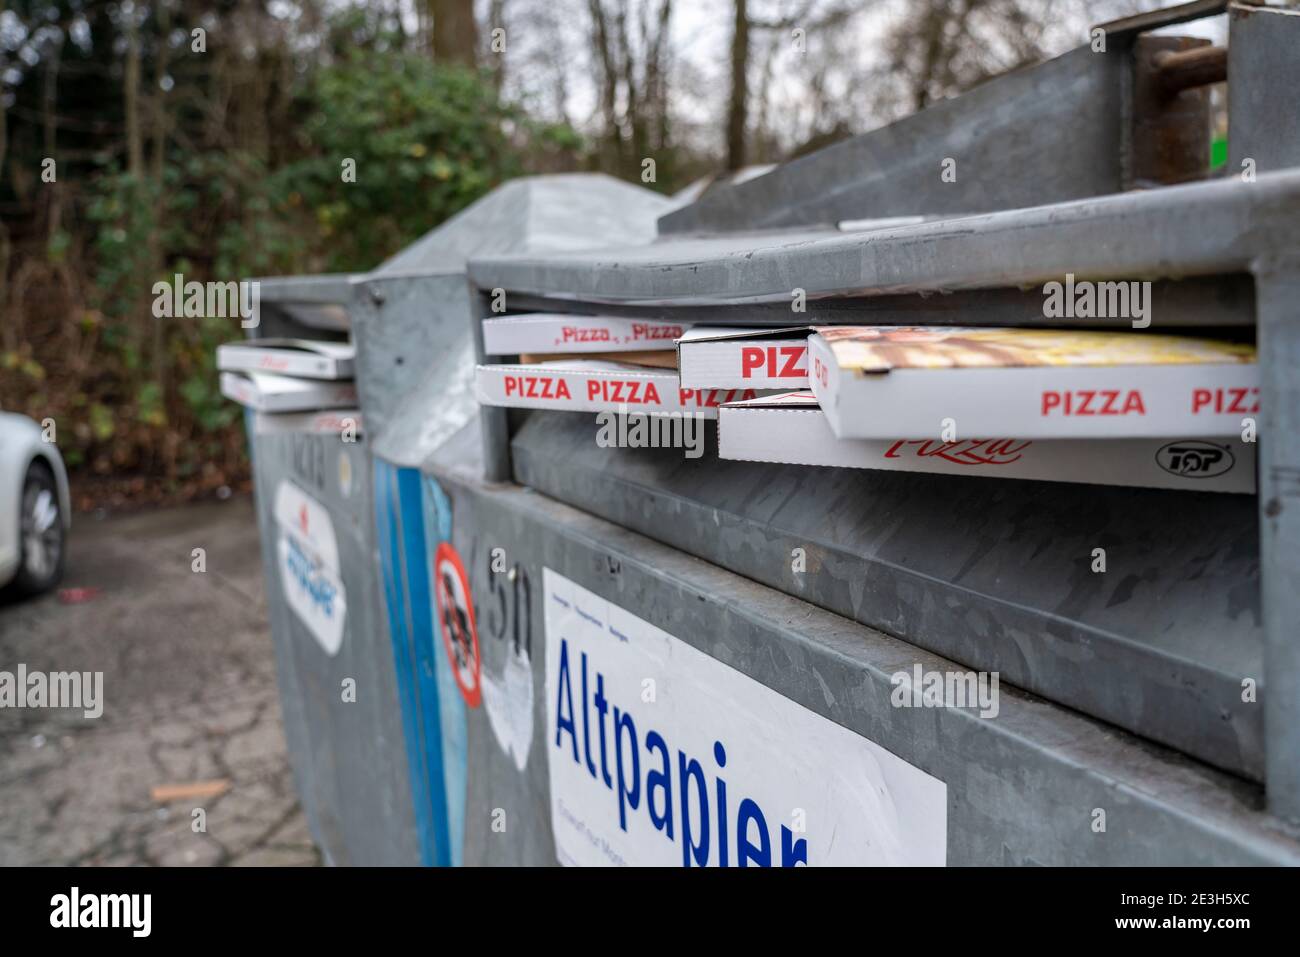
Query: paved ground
point(190, 695)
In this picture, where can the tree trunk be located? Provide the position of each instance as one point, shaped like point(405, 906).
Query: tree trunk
point(131, 94)
point(455, 33)
point(634, 109)
point(497, 21)
point(609, 86)
point(656, 84)
point(736, 118)
point(159, 94)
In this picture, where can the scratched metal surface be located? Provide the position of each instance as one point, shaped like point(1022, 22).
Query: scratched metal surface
point(1021, 787)
point(1003, 139)
point(1263, 77)
point(1211, 228)
point(1263, 74)
point(348, 758)
point(995, 574)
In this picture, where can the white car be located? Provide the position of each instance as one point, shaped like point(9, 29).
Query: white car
point(35, 508)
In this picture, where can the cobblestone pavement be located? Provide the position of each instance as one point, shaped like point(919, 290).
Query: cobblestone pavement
point(189, 696)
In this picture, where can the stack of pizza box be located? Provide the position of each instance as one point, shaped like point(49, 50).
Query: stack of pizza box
point(1125, 407)
point(1112, 408)
point(292, 385)
point(592, 364)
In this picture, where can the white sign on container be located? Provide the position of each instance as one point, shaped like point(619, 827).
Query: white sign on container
point(309, 565)
point(662, 755)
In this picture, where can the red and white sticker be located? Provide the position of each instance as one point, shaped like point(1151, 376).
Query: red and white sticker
point(456, 615)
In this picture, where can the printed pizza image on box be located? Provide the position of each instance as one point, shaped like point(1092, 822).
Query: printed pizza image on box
point(593, 386)
point(544, 332)
point(886, 382)
point(744, 358)
point(792, 429)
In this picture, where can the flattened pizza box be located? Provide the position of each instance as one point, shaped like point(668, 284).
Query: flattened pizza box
point(876, 382)
point(722, 358)
point(327, 422)
point(792, 429)
point(266, 392)
point(557, 332)
point(597, 386)
point(293, 357)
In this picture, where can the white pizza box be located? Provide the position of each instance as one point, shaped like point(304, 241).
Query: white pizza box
point(580, 385)
point(343, 422)
point(267, 392)
point(295, 357)
point(792, 429)
point(544, 332)
point(722, 358)
point(878, 382)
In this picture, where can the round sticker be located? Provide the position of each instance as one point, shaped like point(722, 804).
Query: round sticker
point(456, 614)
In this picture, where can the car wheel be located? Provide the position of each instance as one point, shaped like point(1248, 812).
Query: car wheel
point(40, 533)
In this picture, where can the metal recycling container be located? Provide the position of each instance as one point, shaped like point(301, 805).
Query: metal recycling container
point(338, 697)
point(615, 656)
point(623, 663)
point(606, 698)
point(745, 643)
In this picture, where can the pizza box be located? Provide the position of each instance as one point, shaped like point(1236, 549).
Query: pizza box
point(709, 357)
point(267, 392)
point(545, 332)
point(321, 422)
point(308, 358)
point(792, 429)
point(597, 386)
point(878, 382)
point(657, 358)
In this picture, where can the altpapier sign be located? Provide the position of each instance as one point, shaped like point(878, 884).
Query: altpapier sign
point(662, 755)
point(309, 565)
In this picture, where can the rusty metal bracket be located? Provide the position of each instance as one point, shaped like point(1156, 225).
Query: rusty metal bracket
point(1167, 126)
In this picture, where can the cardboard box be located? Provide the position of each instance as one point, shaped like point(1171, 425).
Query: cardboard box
point(591, 386)
point(792, 429)
point(655, 358)
point(744, 358)
point(551, 332)
point(879, 382)
point(276, 393)
point(330, 422)
point(293, 357)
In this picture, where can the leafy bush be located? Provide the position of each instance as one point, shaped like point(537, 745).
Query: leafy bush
point(423, 140)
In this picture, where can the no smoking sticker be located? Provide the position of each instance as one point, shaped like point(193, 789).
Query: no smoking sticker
point(456, 612)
